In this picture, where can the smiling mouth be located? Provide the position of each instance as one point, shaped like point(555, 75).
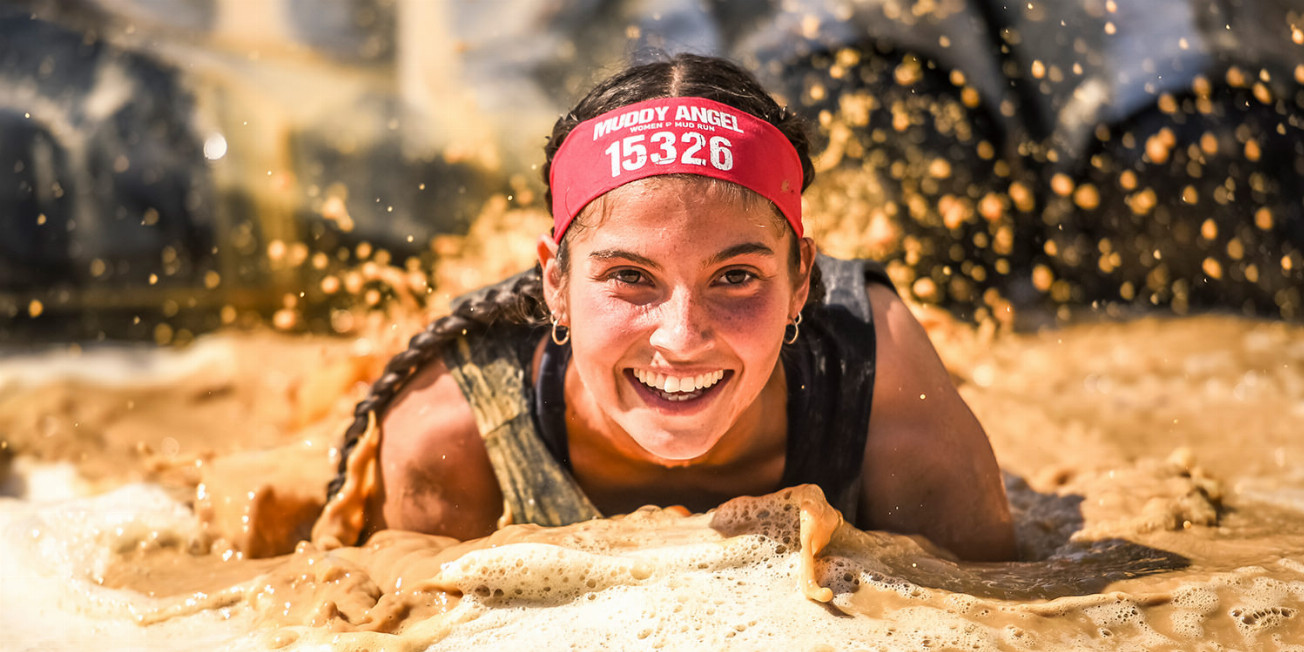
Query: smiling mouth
point(677, 388)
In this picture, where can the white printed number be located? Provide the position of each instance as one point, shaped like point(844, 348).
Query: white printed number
point(721, 155)
point(630, 153)
point(667, 142)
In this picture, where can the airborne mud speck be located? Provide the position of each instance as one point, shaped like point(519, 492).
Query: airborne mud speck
point(1094, 208)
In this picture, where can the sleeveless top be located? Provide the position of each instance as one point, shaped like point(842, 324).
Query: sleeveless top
point(830, 378)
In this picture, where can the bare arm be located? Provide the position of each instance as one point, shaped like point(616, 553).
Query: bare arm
point(435, 474)
point(928, 467)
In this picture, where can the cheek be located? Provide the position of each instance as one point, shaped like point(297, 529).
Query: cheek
point(597, 313)
point(756, 319)
point(603, 327)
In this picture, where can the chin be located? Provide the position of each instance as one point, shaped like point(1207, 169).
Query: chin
point(671, 449)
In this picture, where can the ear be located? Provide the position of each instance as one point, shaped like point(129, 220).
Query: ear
point(807, 249)
point(552, 285)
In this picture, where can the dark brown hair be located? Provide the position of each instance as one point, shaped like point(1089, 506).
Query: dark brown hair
point(683, 75)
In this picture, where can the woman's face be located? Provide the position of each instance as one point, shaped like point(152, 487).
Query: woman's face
point(677, 296)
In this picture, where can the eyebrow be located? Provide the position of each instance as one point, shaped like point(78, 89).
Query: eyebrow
point(743, 249)
point(613, 254)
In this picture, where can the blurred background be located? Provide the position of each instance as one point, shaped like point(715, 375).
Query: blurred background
point(170, 167)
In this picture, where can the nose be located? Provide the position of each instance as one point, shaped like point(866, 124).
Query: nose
point(681, 326)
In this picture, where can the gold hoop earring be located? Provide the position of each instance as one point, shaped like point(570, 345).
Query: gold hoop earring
point(559, 340)
point(796, 329)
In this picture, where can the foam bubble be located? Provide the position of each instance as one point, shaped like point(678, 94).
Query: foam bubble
point(538, 572)
point(1188, 624)
point(56, 552)
point(1019, 638)
point(1199, 599)
point(1115, 613)
point(1253, 621)
point(1193, 604)
point(1262, 607)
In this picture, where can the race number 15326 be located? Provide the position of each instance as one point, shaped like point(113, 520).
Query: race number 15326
point(631, 152)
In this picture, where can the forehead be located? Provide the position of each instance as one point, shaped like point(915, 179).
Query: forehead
point(679, 207)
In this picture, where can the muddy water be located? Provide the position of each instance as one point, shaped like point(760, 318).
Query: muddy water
point(1153, 467)
point(158, 498)
point(155, 499)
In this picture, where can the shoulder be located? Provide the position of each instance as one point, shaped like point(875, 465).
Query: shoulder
point(901, 339)
point(431, 402)
point(918, 417)
point(928, 467)
point(435, 472)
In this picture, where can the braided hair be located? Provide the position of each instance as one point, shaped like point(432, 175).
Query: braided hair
point(521, 302)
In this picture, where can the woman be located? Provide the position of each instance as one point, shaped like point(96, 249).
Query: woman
point(681, 343)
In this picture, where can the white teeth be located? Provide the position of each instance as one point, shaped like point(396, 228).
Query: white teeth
point(677, 384)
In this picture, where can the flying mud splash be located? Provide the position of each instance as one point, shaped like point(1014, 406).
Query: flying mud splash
point(1143, 518)
point(1017, 165)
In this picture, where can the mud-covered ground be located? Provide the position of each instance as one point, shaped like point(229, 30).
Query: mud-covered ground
point(1153, 466)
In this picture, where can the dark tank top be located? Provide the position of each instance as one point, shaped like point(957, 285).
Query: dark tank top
point(830, 379)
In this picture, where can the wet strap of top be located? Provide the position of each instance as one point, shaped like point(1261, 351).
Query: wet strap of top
point(550, 401)
point(830, 372)
point(536, 488)
point(875, 272)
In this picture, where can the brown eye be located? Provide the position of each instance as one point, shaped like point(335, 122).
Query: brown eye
point(628, 276)
point(737, 277)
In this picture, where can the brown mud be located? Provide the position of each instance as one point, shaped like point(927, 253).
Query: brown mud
point(1151, 466)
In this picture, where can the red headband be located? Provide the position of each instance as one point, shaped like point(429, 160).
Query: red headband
point(674, 135)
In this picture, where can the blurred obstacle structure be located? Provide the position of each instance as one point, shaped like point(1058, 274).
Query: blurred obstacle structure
point(105, 195)
point(1067, 157)
point(180, 166)
point(1173, 145)
point(167, 168)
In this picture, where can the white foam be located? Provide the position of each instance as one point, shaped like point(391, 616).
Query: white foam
point(119, 365)
point(538, 573)
point(1198, 599)
point(1262, 607)
point(42, 482)
point(54, 552)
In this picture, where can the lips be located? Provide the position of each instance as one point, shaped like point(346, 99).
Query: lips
point(677, 388)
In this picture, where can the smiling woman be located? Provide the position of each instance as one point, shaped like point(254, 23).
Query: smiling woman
point(680, 343)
